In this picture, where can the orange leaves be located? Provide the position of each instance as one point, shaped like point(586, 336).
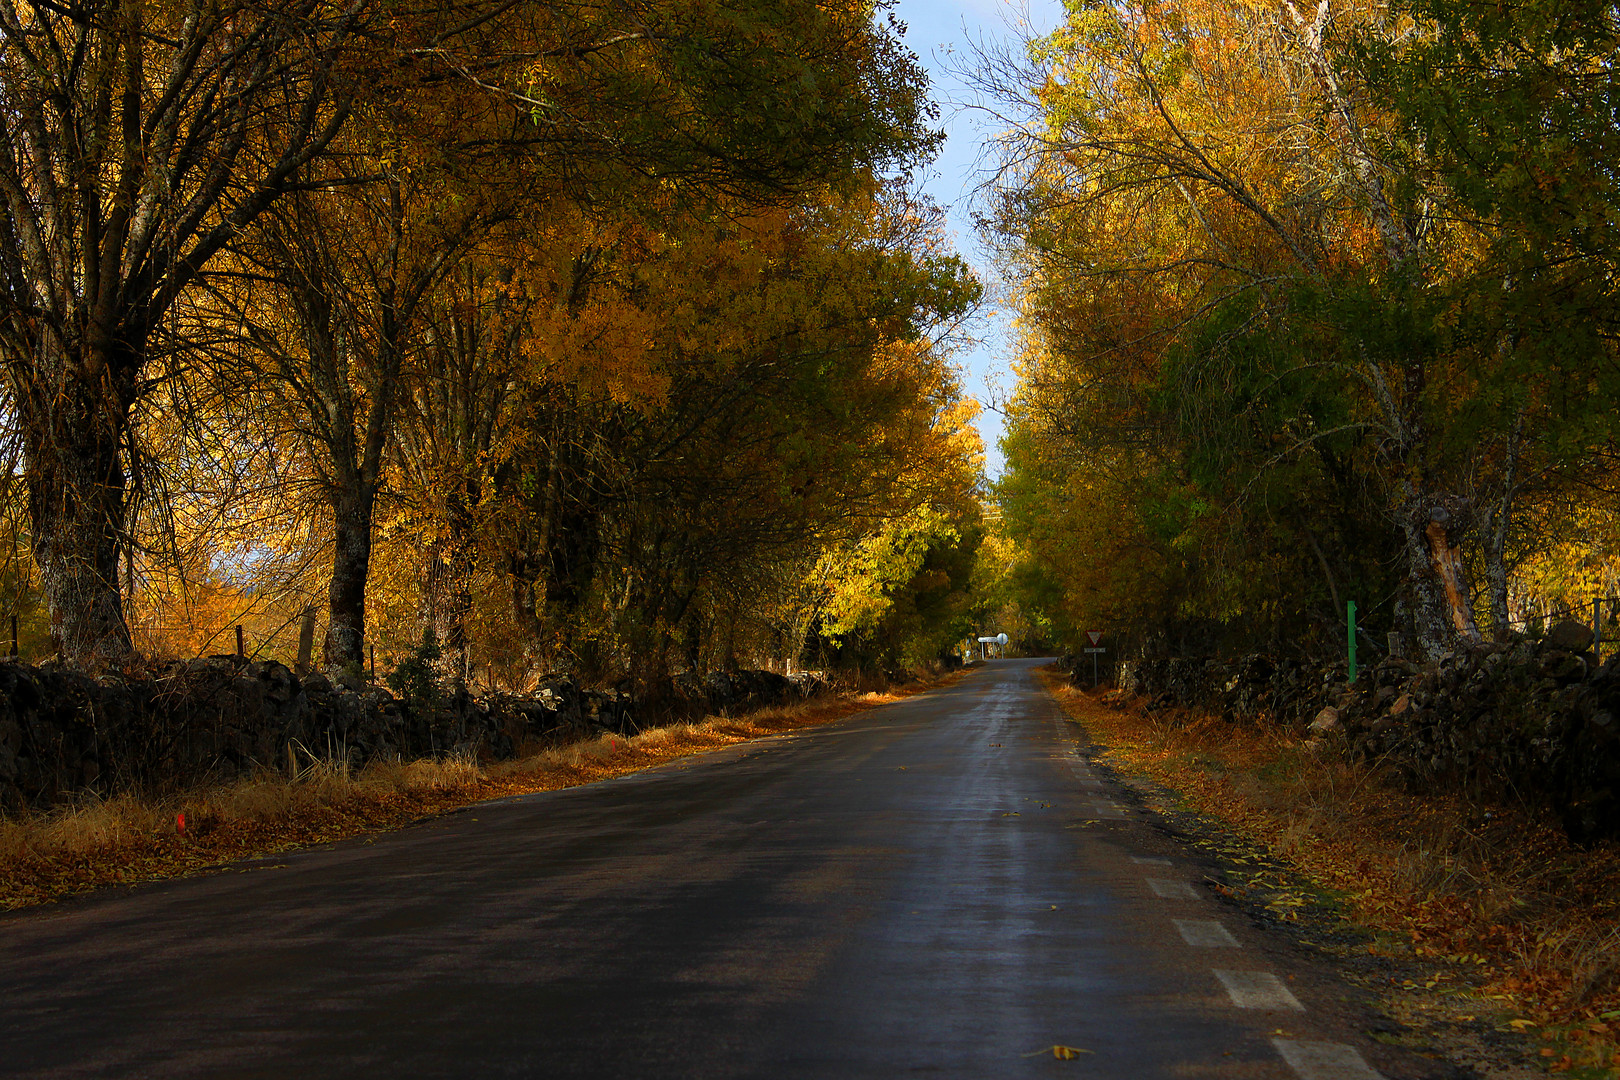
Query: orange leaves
point(606, 348)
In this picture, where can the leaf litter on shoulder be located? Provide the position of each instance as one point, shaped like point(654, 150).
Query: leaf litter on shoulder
point(1505, 912)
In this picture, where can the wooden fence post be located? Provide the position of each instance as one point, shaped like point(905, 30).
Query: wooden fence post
point(306, 642)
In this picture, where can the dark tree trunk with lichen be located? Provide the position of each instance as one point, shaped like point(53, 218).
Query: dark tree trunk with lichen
point(77, 489)
point(1442, 599)
point(351, 566)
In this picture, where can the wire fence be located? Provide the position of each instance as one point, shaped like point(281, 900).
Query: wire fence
point(1601, 616)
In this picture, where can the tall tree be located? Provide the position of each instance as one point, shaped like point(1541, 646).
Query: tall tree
point(136, 139)
point(1510, 116)
point(1198, 165)
point(349, 274)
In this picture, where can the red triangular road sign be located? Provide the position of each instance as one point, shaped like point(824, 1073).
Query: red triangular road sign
point(1094, 635)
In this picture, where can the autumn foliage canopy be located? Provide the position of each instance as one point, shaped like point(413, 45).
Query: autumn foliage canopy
point(503, 337)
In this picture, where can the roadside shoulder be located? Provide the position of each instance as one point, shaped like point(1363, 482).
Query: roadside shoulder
point(1213, 796)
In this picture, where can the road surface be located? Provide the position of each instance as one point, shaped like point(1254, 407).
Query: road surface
point(941, 887)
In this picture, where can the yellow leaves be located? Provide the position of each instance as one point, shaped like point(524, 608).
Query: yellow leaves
point(859, 579)
point(963, 443)
point(1564, 575)
point(1182, 148)
point(1059, 1051)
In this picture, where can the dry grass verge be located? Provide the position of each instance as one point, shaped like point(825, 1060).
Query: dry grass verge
point(1496, 898)
point(130, 839)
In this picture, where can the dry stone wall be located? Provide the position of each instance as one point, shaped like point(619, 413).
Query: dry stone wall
point(63, 733)
point(1528, 720)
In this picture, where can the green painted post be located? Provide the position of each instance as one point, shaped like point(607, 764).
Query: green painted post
point(1350, 617)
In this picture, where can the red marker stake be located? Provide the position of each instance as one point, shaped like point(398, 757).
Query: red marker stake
point(180, 823)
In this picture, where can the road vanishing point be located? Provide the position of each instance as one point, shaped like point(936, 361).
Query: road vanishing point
point(941, 887)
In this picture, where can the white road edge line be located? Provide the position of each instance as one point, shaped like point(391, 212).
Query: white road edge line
point(1171, 890)
point(1206, 934)
point(1149, 860)
point(1325, 1060)
point(1258, 990)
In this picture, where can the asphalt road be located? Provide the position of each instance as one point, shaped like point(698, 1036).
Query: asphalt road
point(939, 887)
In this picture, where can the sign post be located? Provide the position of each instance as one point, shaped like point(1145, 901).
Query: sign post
point(1094, 636)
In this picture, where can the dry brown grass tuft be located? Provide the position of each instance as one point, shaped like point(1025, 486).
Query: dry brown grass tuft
point(1498, 893)
point(131, 839)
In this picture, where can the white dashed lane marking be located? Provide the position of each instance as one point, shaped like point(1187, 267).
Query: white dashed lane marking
point(1258, 990)
point(1206, 934)
point(1171, 890)
point(1247, 989)
point(1324, 1060)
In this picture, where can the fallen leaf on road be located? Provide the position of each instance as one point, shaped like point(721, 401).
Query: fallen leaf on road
point(1065, 1053)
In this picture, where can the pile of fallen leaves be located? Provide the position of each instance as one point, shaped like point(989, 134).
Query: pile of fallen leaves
point(1496, 898)
point(130, 840)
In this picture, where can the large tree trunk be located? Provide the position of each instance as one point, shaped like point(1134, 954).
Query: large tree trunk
point(351, 565)
point(76, 505)
point(359, 342)
point(1431, 524)
point(1442, 601)
point(1496, 579)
